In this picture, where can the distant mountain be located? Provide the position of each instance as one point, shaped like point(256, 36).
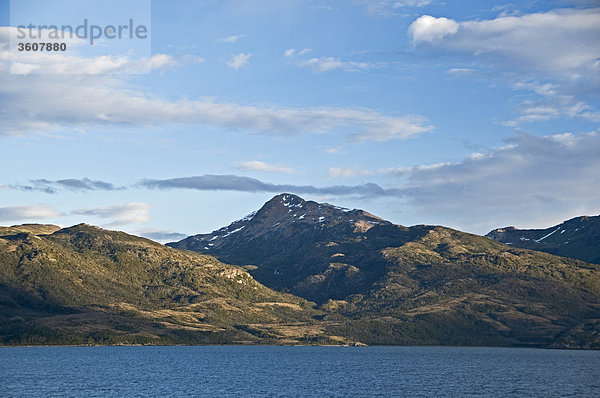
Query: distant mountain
point(392, 284)
point(577, 238)
point(84, 284)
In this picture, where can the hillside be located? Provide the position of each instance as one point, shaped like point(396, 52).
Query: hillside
point(84, 284)
point(577, 238)
point(392, 284)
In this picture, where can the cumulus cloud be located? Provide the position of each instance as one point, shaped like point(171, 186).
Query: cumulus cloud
point(247, 184)
point(563, 42)
point(558, 47)
point(262, 166)
point(530, 182)
point(32, 212)
point(430, 29)
point(69, 184)
point(239, 61)
point(130, 213)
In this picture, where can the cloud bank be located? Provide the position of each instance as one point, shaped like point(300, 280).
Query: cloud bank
point(32, 212)
point(69, 184)
point(531, 181)
point(247, 184)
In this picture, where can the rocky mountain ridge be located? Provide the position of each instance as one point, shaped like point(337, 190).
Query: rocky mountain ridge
point(577, 238)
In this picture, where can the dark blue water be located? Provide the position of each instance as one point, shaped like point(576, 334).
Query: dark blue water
point(297, 372)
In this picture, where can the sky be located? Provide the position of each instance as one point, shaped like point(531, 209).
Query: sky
point(473, 114)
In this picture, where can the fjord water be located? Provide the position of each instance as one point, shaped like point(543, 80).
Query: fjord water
point(297, 371)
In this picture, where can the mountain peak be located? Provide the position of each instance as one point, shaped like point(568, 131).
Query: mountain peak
point(284, 200)
point(285, 215)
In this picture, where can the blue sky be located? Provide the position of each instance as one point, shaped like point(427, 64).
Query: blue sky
point(470, 114)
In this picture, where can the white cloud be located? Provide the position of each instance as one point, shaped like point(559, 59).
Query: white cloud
point(159, 61)
point(130, 213)
point(430, 29)
point(100, 101)
point(551, 102)
point(292, 51)
point(262, 166)
point(34, 63)
point(99, 98)
point(334, 172)
point(38, 62)
point(553, 54)
point(460, 71)
point(562, 42)
point(413, 169)
point(326, 64)
point(231, 39)
point(398, 128)
point(32, 212)
point(531, 182)
point(239, 61)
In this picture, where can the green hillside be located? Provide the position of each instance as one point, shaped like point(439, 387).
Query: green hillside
point(87, 285)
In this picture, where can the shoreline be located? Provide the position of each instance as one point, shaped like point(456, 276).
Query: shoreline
point(291, 345)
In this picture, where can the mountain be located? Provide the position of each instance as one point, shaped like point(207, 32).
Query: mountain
point(294, 240)
point(391, 284)
point(84, 284)
point(577, 238)
point(301, 273)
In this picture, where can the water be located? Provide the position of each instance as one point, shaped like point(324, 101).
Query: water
point(221, 371)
